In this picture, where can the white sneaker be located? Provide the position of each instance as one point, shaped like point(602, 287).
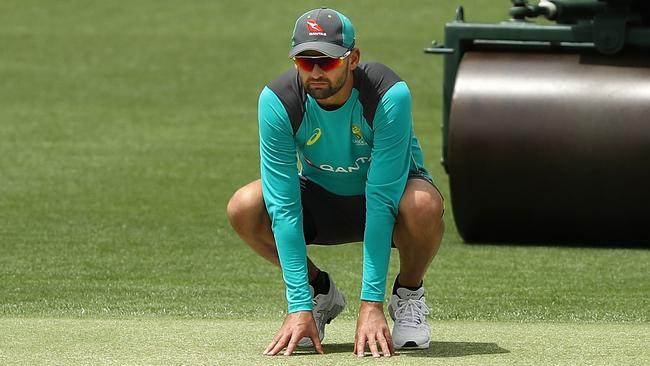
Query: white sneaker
point(409, 312)
point(326, 308)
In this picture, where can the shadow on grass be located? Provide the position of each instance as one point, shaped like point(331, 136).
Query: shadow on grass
point(436, 349)
point(456, 349)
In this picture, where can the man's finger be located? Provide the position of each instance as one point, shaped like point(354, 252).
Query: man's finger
point(384, 345)
point(389, 340)
point(360, 345)
point(280, 345)
point(293, 343)
point(372, 344)
point(271, 345)
point(317, 345)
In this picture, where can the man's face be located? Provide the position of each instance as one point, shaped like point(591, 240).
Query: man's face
point(322, 84)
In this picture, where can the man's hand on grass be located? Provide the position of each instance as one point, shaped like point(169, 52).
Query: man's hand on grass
point(372, 329)
point(296, 326)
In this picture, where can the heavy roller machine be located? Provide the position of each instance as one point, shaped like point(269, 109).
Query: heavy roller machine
point(546, 123)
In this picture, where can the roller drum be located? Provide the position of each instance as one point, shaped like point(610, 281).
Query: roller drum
point(551, 147)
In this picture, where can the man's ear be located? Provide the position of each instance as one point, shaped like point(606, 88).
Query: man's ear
point(355, 58)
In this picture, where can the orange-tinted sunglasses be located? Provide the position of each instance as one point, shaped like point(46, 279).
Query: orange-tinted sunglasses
point(324, 63)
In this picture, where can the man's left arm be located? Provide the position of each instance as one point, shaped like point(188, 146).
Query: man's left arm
point(387, 176)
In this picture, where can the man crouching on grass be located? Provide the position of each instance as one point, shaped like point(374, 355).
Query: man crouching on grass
point(362, 180)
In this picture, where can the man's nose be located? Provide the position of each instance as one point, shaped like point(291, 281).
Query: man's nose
point(317, 72)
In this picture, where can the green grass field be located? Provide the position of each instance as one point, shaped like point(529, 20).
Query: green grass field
point(126, 126)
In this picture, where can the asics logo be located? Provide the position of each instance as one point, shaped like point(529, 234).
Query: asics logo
point(314, 137)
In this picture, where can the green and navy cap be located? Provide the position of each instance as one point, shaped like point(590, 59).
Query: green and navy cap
point(324, 30)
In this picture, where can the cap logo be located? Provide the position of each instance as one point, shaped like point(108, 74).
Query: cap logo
point(314, 29)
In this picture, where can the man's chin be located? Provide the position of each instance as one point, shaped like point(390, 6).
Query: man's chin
point(320, 93)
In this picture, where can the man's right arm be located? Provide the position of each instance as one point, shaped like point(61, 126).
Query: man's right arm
point(281, 191)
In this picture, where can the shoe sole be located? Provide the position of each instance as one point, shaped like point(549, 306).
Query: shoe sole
point(412, 345)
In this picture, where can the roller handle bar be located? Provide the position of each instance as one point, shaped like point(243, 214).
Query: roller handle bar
point(569, 11)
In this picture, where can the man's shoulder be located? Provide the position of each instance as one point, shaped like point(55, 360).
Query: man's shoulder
point(375, 76)
point(288, 89)
point(287, 80)
point(376, 69)
point(373, 80)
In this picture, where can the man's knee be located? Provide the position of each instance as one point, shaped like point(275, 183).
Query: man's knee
point(245, 205)
point(422, 207)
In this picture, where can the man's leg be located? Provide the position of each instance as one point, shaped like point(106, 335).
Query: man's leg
point(418, 230)
point(417, 235)
point(248, 216)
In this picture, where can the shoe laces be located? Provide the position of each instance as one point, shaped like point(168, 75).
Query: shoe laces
point(411, 312)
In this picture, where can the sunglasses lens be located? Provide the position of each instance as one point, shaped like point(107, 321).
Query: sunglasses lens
point(305, 64)
point(324, 63)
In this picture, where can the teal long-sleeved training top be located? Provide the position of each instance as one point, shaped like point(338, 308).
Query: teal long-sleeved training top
point(366, 146)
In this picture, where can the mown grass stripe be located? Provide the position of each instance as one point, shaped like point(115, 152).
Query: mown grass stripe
point(240, 342)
